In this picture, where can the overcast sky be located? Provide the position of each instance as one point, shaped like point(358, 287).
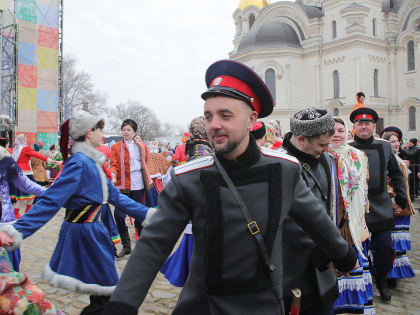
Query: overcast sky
point(153, 51)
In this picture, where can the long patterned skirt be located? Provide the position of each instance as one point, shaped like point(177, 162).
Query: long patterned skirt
point(401, 241)
point(356, 291)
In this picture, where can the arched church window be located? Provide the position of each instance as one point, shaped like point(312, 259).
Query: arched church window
point(334, 29)
point(375, 83)
point(251, 20)
point(412, 118)
point(336, 112)
point(270, 80)
point(239, 25)
point(410, 56)
point(336, 84)
point(374, 27)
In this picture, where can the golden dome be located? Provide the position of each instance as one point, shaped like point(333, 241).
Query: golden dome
point(243, 4)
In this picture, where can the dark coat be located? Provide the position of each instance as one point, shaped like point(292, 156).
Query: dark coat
point(308, 269)
point(382, 164)
point(413, 156)
point(227, 275)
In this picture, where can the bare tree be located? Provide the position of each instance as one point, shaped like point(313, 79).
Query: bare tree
point(148, 123)
point(170, 129)
point(77, 88)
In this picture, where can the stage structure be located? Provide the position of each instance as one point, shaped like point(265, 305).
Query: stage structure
point(32, 68)
point(8, 67)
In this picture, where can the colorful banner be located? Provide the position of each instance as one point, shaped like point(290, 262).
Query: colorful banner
point(37, 52)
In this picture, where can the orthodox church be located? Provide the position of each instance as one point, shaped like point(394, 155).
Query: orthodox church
point(322, 52)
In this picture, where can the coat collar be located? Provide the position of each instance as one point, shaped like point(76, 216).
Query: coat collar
point(364, 141)
point(300, 155)
point(251, 156)
point(89, 151)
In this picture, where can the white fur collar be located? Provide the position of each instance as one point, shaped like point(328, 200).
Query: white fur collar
point(99, 158)
point(89, 151)
point(3, 153)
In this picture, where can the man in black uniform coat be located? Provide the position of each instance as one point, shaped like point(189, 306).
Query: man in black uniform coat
point(311, 133)
point(227, 274)
point(380, 219)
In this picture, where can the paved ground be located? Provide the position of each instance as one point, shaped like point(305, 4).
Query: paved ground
point(37, 250)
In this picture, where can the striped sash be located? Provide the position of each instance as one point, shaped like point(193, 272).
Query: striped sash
point(86, 215)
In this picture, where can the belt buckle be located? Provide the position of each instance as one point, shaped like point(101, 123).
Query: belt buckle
point(253, 228)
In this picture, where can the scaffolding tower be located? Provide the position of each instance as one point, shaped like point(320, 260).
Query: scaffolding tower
point(8, 31)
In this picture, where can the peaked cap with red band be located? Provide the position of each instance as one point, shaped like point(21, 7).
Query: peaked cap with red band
point(258, 130)
point(364, 114)
point(234, 79)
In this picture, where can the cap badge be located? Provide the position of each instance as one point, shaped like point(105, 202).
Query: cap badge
point(364, 115)
point(251, 100)
point(217, 81)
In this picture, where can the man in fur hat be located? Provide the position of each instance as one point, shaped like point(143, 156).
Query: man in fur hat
point(305, 266)
point(83, 260)
point(228, 275)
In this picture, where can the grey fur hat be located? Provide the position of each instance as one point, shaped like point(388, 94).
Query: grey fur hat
point(311, 122)
point(80, 123)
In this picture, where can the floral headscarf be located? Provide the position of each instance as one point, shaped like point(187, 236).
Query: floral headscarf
point(198, 144)
point(270, 136)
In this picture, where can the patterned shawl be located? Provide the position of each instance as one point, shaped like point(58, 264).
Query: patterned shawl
point(353, 175)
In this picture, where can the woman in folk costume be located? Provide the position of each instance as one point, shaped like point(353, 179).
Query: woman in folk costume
point(12, 176)
point(18, 295)
point(22, 154)
point(83, 260)
point(351, 204)
point(131, 176)
point(176, 268)
point(159, 167)
point(400, 234)
point(55, 155)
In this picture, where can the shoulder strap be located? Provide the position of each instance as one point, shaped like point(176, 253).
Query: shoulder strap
point(307, 168)
point(254, 230)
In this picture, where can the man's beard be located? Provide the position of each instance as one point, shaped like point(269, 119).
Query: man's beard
point(229, 147)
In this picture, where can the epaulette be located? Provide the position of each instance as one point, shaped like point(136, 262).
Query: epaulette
point(203, 162)
point(279, 154)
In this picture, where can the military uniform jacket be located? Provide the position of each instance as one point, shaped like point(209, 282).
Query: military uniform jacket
point(307, 269)
point(227, 276)
point(382, 164)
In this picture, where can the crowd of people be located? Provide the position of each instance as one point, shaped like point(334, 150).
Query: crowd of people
point(302, 222)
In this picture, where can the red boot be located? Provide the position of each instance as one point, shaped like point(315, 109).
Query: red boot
point(16, 211)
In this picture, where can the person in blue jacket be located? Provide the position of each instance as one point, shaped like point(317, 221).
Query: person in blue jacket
point(83, 260)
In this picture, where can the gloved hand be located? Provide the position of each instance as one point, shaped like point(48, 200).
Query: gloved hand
point(149, 215)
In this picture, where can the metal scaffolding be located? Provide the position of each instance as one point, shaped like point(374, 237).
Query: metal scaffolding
point(8, 31)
